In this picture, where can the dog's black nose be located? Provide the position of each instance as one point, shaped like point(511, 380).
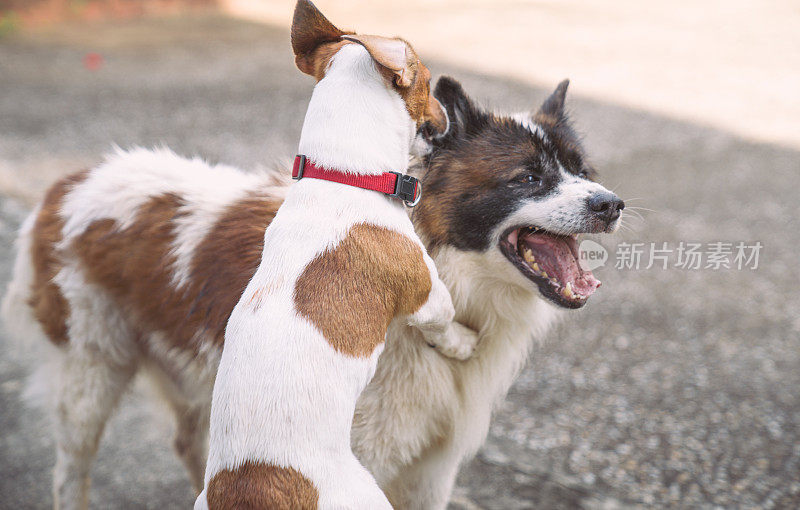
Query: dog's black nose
point(606, 205)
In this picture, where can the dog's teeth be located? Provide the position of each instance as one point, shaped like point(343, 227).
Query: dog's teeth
point(544, 274)
point(528, 255)
point(567, 290)
point(535, 267)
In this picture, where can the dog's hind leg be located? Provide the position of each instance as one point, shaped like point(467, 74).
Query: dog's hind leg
point(191, 422)
point(98, 363)
point(191, 440)
point(89, 388)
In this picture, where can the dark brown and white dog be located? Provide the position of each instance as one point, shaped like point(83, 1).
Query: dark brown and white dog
point(139, 262)
point(505, 198)
point(339, 263)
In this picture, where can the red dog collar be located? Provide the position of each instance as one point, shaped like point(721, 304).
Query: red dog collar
point(406, 188)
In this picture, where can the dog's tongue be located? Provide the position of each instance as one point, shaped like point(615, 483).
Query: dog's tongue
point(558, 257)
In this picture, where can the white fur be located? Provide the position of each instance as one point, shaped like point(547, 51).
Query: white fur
point(300, 414)
point(364, 139)
point(414, 451)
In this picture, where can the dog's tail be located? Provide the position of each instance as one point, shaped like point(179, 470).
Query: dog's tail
point(18, 320)
point(277, 173)
point(27, 341)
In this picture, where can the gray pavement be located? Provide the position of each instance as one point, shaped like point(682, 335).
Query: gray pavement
point(672, 388)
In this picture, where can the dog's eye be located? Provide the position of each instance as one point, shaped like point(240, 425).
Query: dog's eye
point(583, 174)
point(529, 179)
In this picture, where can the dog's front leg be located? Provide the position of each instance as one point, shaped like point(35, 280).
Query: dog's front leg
point(454, 340)
point(435, 321)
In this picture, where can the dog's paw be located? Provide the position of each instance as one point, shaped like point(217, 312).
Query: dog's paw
point(459, 352)
point(461, 343)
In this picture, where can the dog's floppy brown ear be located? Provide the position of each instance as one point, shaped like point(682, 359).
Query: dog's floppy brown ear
point(310, 29)
point(393, 54)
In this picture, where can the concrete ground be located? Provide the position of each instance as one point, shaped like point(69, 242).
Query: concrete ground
point(671, 388)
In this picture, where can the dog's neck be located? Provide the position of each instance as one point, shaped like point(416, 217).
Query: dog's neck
point(490, 295)
point(355, 123)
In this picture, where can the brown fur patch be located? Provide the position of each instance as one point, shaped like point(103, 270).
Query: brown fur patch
point(417, 96)
point(311, 30)
point(352, 292)
point(260, 486)
point(49, 306)
point(136, 266)
point(455, 178)
point(228, 257)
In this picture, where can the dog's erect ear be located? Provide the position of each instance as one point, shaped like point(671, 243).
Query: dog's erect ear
point(310, 29)
point(553, 106)
point(393, 54)
point(464, 116)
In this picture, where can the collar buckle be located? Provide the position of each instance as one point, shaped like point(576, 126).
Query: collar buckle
point(408, 189)
point(299, 166)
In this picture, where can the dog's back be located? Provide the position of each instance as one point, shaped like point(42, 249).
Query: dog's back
point(144, 230)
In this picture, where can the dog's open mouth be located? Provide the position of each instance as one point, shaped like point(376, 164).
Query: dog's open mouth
point(551, 262)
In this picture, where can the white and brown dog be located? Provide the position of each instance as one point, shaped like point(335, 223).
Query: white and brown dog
point(340, 262)
point(137, 264)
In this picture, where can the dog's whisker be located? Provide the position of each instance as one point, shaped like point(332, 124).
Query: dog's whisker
point(635, 214)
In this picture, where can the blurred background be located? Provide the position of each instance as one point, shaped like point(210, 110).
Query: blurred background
point(673, 387)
